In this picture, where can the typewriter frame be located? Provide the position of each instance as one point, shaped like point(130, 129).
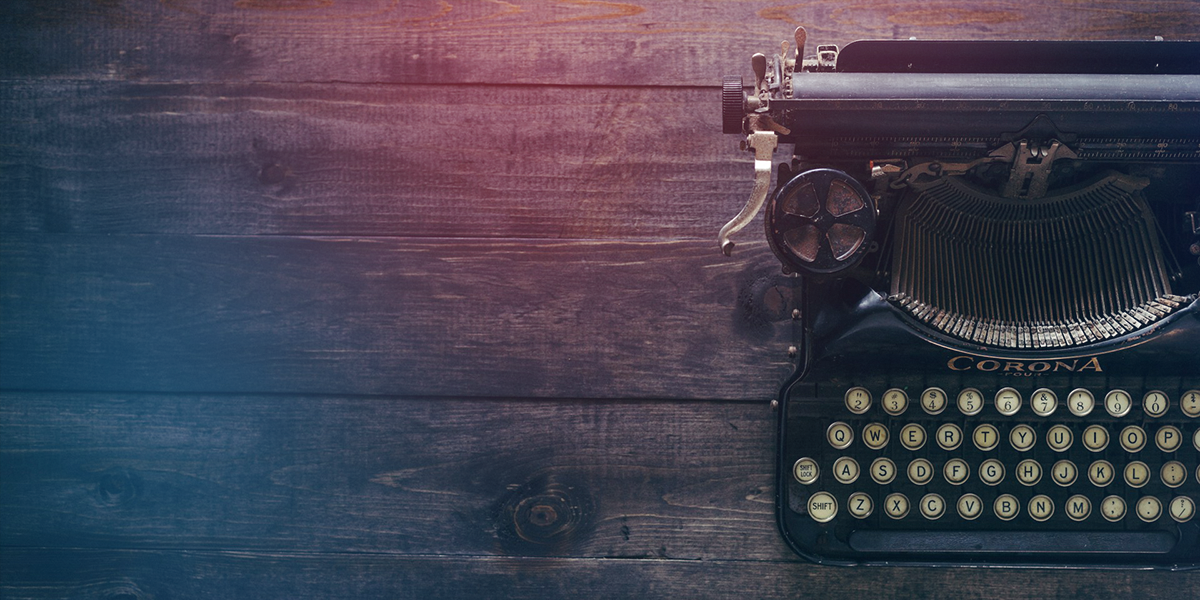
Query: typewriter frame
point(1072, 98)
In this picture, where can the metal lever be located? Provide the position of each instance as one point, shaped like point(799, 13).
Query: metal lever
point(763, 143)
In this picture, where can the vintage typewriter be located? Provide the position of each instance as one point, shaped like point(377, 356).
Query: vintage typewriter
point(998, 342)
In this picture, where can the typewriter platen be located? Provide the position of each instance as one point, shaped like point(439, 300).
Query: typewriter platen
point(999, 357)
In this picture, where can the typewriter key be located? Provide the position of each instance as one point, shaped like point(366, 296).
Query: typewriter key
point(1136, 474)
point(970, 507)
point(1155, 403)
point(932, 506)
point(970, 401)
point(1059, 438)
point(1168, 438)
point(1117, 403)
point(1101, 473)
point(845, 469)
point(1043, 402)
point(875, 436)
point(839, 435)
point(1113, 508)
point(822, 507)
point(1029, 471)
point(956, 471)
point(920, 471)
point(1190, 403)
point(1080, 402)
point(949, 436)
point(1078, 507)
point(1173, 474)
point(858, 400)
point(896, 505)
point(1182, 509)
point(1006, 507)
point(1133, 438)
point(986, 437)
point(883, 470)
point(1196, 439)
point(991, 471)
point(912, 436)
point(1149, 509)
point(860, 505)
point(1041, 507)
point(1063, 473)
point(933, 400)
point(1095, 438)
point(895, 402)
point(806, 470)
point(1022, 438)
point(1008, 401)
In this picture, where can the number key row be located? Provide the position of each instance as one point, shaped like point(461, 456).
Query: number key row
point(1008, 401)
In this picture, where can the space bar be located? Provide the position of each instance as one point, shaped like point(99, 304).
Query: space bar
point(1057, 542)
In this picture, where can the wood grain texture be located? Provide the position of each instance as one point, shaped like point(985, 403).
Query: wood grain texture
point(392, 316)
point(516, 41)
point(38, 574)
point(414, 161)
point(633, 479)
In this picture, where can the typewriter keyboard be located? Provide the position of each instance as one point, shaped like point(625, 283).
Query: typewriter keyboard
point(1001, 459)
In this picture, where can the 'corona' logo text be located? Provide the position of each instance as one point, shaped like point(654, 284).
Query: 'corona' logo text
point(1074, 365)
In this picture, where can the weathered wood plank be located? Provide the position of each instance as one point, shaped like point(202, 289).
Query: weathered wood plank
point(392, 316)
point(416, 476)
point(37, 574)
point(519, 41)
point(530, 162)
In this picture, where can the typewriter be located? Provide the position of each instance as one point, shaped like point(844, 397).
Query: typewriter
point(998, 339)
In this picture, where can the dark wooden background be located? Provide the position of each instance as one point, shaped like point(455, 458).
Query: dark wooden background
point(413, 298)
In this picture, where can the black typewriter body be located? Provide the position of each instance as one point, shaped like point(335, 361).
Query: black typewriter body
point(998, 344)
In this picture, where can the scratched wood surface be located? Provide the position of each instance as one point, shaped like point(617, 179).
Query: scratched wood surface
point(315, 297)
point(210, 496)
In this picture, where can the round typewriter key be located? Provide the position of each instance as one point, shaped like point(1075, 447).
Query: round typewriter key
point(920, 471)
point(1196, 439)
point(1059, 438)
point(956, 471)
point(1064, 473)
point(1149, 509)
point(933, 400)
point(896, 505)
point(1029, 472)
point(1022, 437)
point(895, 401)
point(949, 436)
point(1080, 402)
point(1168, 438)
point(845, 469)
point(822, 507)
point(1006, 507)
point(1155, 403)
point(1173, 474)
point(912, 436)
point(860, 505)
point(1182, 509)
point(1133, 438)
point(1008, 401)
point(970, 507)
point(1095, 438)
point(991, 471)
point(1041, 507)
point(1136, 474)
point(1113, 508)
point(839, 435)
point(858, 400)
point(970, 401)
point(1043, 402)
point(806, 470)
point(883, 470)
point(1101, 473)
point(1190, 403)
point(1078, 507)
point(986, 437)
point(1117, 403)
point(875, 436)
point(932, 506)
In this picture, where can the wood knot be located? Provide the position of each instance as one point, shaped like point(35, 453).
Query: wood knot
point(544, 516)
point(117, 487)
point(273, 174)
